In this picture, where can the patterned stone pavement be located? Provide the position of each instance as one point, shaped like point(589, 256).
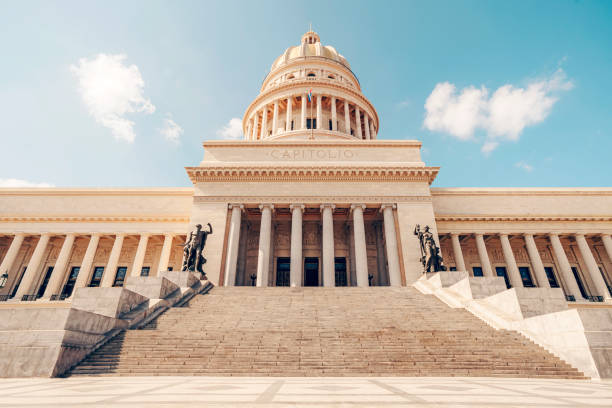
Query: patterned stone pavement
point(312, 391)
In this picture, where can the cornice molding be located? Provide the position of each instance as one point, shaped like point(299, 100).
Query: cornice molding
point(95, 218)
point(522, 218)
point(173, 191)
point(352, 143)
point(311, 173)
point(527, 191)
point(311, 200)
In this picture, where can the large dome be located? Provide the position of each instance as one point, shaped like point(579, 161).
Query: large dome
point(310, 47)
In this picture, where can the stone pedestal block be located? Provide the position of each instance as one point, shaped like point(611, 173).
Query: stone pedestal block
point(112, 302)
point(523, 303)
point(180, 278)
point(152, 287)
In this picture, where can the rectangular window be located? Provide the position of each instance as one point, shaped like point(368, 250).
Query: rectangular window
point(311, 123)
point(120, 276)
point(69, 286)
point(282, 271)
point(330, 124)
point(552, 279)
point(477, 271)
point(145, 271)
point(340, 268)
point(453, 268)
point(170, 268)
point(96, 278)
point(583, 291)
point(291, 125)
point(14, 291)
point(501, 271)
point(526, 277)
point(45, 282)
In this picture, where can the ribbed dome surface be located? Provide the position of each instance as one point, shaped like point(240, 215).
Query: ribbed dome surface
point(310, 47)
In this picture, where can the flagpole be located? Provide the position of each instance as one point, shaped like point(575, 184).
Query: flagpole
point(311, 119)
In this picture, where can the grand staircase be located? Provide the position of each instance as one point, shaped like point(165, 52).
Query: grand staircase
point(375, 331)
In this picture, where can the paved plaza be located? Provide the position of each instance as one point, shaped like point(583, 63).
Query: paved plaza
point(285, 392)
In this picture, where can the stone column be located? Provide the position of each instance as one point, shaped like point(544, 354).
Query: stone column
point(395, 278)
point(361, 253)
point(334, 116)
point(358, 123)
point(383, 276)
point(233, 239)
point(295, 272)
point(255, 124)
point(591, 264)
point(607, 241)
point(263, 257)
point(249, 131)
point(87, 261)
point(275, 118)
point(483, 255)
point(304, 107)
point(564, 266)
point(264, 123)
point(289, 114)
point(536, 261)
point(140, 254)
point(113, 260)
point(33, 267)
point(329, 275)
point(59, 269)
point(366, 125)
point(164, 257)
point(513, 273)
point(319, 112)
point(457, 253)
point(347, 118)
point(11, 254)
point(372, 131)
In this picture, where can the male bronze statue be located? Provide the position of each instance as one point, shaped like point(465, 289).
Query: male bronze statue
point(430, 252)
point(193, 260)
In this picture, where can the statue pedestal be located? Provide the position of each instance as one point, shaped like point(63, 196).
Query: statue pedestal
point(182, 279)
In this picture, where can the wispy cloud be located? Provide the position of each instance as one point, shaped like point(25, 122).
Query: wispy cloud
point(502, 115)
point(110, 89)
point(232, 131)
point(522, 165)
point(16, 183)
point(171, 130)
point(406, 103)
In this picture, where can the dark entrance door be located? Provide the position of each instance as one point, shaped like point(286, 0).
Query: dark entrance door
point(283, 266)
point(340, 269)
point(311, 272)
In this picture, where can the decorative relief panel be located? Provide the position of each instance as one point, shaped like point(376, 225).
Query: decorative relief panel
point(521, 255)
point(282, 236)
point(497, 255)
point(311, 235)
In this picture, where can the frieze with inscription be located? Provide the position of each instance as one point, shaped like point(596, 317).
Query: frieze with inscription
point(312, 154)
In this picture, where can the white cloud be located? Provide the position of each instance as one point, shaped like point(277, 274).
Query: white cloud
point(503, 115)
point(524, 166)
point(17, 183)
point(110, 89)
point(233, 130)
point(171, 130)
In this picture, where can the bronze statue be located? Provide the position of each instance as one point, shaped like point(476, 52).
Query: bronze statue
point(430, 252)
point(193, 260)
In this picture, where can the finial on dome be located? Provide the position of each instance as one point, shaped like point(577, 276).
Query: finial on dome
point(310, 37)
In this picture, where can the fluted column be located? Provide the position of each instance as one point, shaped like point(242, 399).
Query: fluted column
point(366, 125)
point(255, 124)
point(372, 131)
point(140, 254)
point(233, 239)
point(249, 132)
point(263, 258)
point(361, 253)
point(275, 118)
point(289, 114)
point(334, 116)
point(564, 266)
point(347, 118)
point(607, 241)
point(87, 261)
point(319, 112)
point(536, 261)
point(33, 267)
point(295, 272)
point(59, 268)
point(513, 273)
point(395, 278)
point(483, 255)
point(264, 123)
point(113, 260)
point(458, 254)
point(303, 113)
point(9, 259)
point(164, 257)
point(329, 275)
point(589, 260)
point(358, 123)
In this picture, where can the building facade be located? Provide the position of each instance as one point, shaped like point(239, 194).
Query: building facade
point(310, 197)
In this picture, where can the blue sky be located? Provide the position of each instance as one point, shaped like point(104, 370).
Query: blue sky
point(201, 64)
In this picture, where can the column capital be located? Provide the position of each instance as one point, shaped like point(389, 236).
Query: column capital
point(262, 206)
point(362, 206)
point(323, 206)
point(232, 206)
point(296, 206)
point(169, 234)
point(385, 205)
point(504, 234)
point(144, 234)
point(605, 234)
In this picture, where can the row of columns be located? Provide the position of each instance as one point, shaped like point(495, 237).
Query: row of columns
point(328, 264)
point(536, 261)
point(253, 132)
point(33, 269)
